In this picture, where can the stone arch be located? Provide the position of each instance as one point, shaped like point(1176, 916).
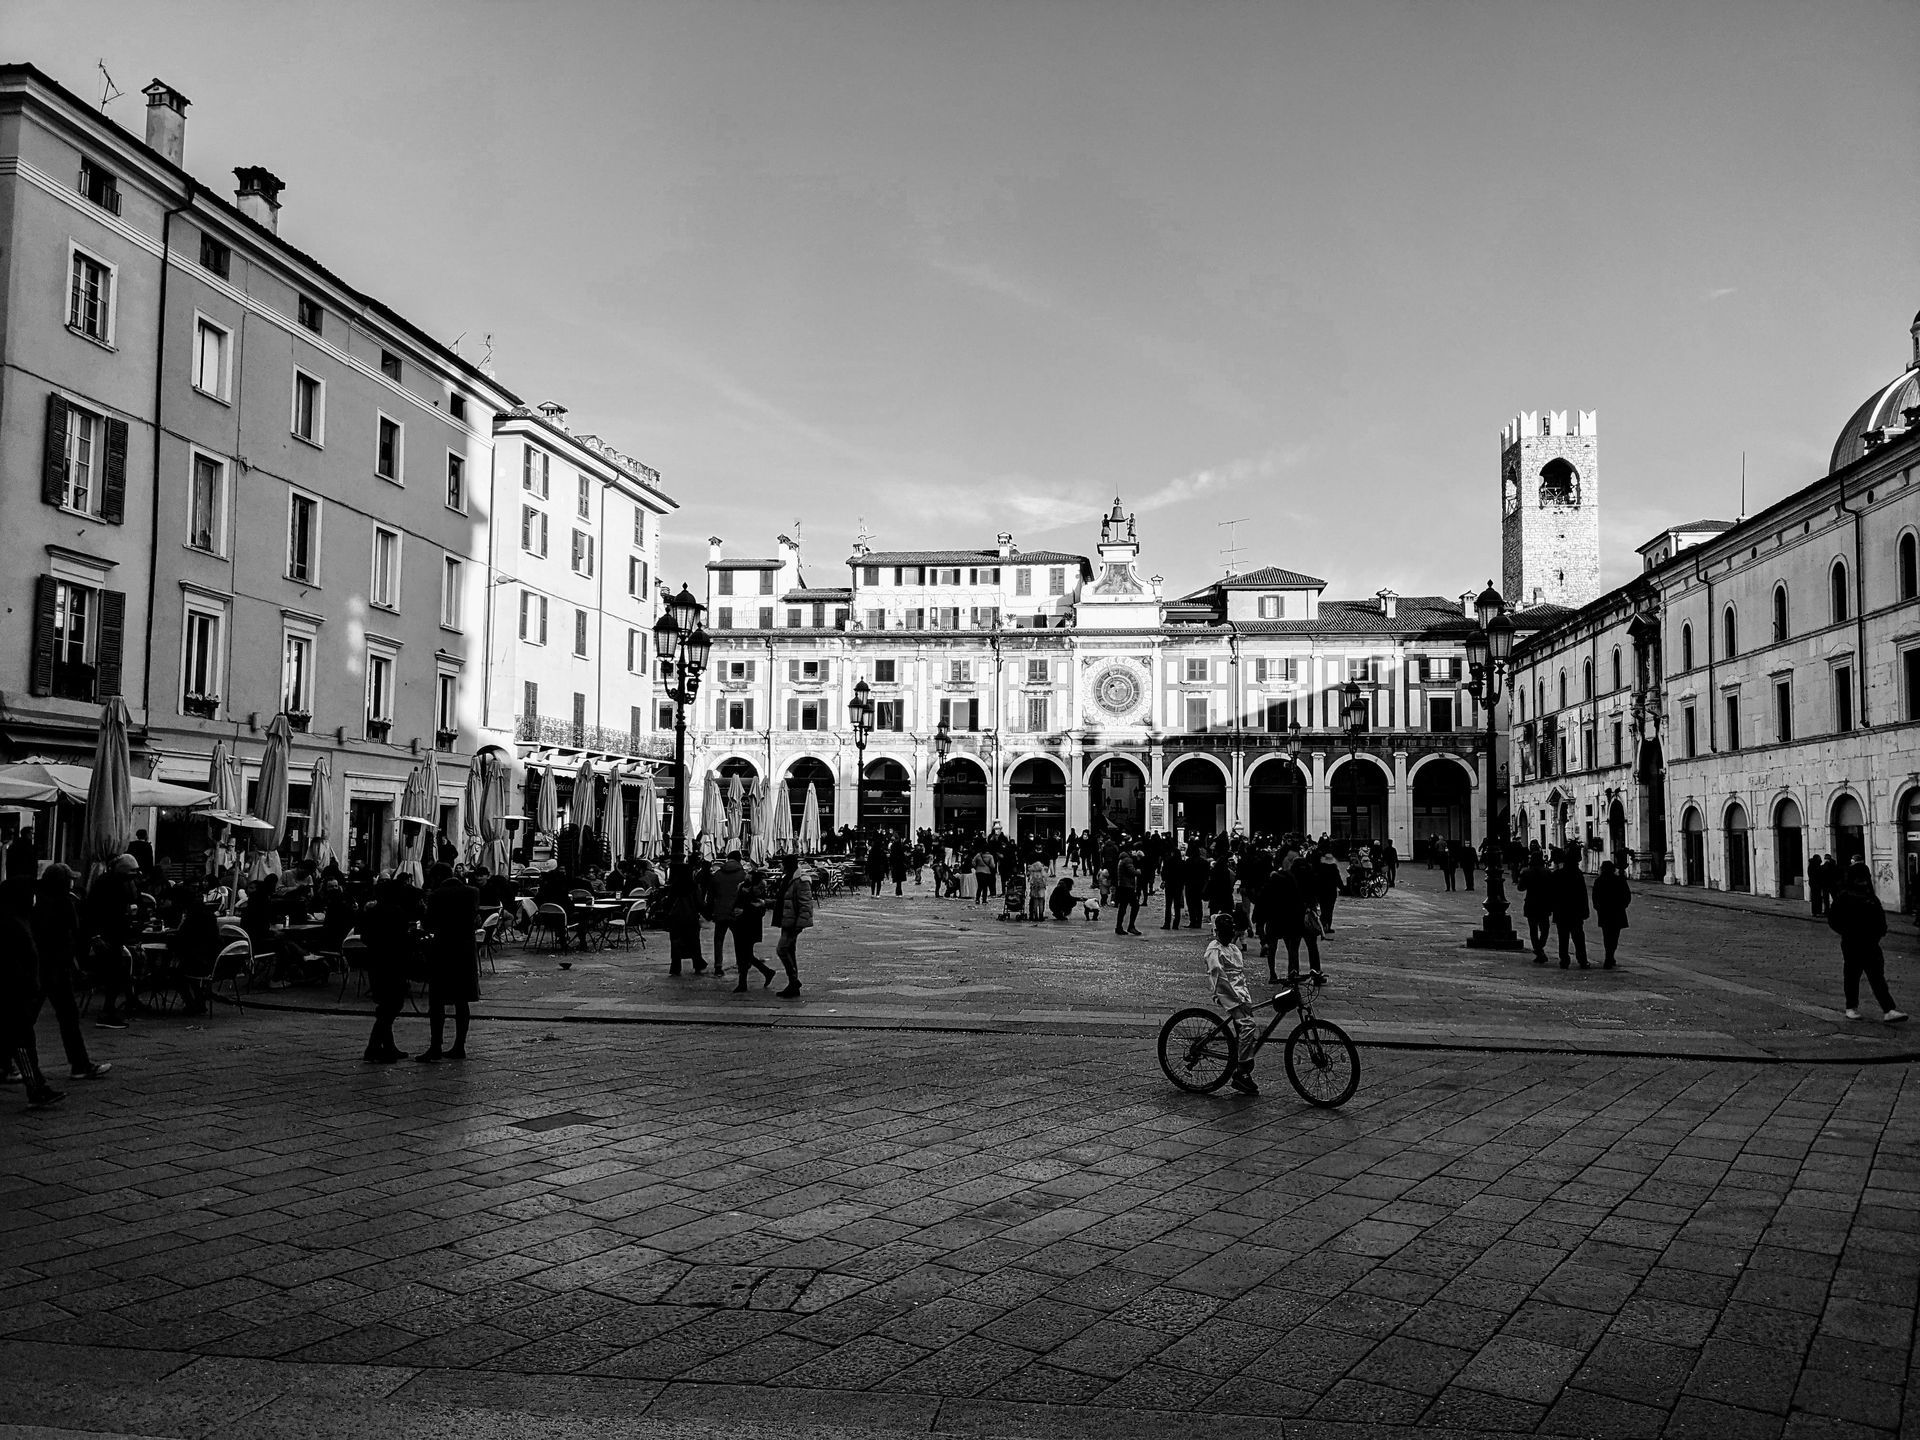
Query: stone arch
point(1174, 762)
point(1277, 786)
point(1116, 786)
point(1300, 767)
point(1334, 766)
point(1473, 775)
point(1559, 483)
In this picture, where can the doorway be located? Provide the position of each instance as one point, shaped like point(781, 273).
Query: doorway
point(1117, 797)
point(1739, 856)
point(1277, 799)
point(886, 798)
point(1197, 793)
point(1789, 850)
point(1693, 848)
point(1849, 832)
point(369, 834)
point(1442, 806)
point(960, 798)
point(1359, 795)
point(1037, 795)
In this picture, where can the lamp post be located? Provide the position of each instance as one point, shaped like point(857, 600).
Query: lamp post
point(1294, 748)
point(993, 735)
point(679, 640)
point(860, 712)
point(1489, 659)
point(942, 747)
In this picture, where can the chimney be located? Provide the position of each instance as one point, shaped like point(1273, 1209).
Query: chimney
point(789, 556)
point(1005, 539)
point(1388, 602)
point(166, 120)
point(554, 411)
point(1467, 606)
point(713, 549)
point(259, 195)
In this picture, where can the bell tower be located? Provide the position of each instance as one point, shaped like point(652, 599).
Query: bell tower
point(1118, 598)
point(1550, 508)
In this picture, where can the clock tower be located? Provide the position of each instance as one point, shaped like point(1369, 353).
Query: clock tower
point(1550, 508)
point(1118, 598)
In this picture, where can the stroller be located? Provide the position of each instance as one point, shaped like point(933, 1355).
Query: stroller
point(1014, 888)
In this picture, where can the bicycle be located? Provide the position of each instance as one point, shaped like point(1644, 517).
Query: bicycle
point(1199, 1051)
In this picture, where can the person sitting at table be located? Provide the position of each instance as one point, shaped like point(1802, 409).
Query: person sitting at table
point(264, 910)
point(112, 903)
point(338, 919)
point(556, 888)
point(196, 944)
point(496, 891)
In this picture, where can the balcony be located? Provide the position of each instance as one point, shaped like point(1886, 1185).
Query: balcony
point(376, 729)
point(445, 740)
point(552, 730)
point(205, 706)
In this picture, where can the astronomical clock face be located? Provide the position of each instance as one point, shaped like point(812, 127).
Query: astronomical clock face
point(1116, 694)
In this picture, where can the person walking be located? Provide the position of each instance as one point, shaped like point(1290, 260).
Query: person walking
point(1390, 863)
point(749, 906)
point(724, 890)
point(1469, 858)
point(1610, 900)
point(1817, 884)
point(1570, 907)
point(453, 966)
point(1193, 874)
point(56, 937)
point(1174, 877)
point(876, 865)
point(1280, 917)
point(1536, 883)
point(1449, 861)
point(794, 911)
point(897, 866)
point(20, 996)
point(112, 903)
point(1855, 914)
point(1126, 893)
point(1326, 873)
point(683, 919)
point(982, 875)
point(387, 931)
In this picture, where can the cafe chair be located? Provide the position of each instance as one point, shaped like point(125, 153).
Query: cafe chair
point(625, 927)
point(232, 965)
point(551, 921)
point(487, 938)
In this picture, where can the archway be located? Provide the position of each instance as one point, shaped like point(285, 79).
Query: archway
point(1909, 813)
point(1277, 799)
point(1693, 848)
point(1789, 851)
point(1117, 797)
point(1849, 832)
point(960, 798)
point(1442, 805)
point(1652, 777)
point(1739, 857)
point(886, 797)
point(1037, 797)
point(1359, 795)
point(811, 774)
point(1197, 800)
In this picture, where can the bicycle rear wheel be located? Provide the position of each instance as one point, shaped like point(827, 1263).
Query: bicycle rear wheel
point(1322, 1063)
point(1198, 1050)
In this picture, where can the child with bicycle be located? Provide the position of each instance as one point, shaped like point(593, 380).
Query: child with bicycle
point(1226, 967)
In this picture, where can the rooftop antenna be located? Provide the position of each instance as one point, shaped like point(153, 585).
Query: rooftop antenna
point(108, 90)
point(486, 361)
point(1232, 549)
point(864, 537)
point(1743, 486)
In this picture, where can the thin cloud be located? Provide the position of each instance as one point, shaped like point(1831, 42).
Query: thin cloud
point(1721, 293)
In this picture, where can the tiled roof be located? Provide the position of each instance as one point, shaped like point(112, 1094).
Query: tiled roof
point(841, 594)
point(733, 564)
point(1704, 525)
point(1270, 577)
point(968, 557)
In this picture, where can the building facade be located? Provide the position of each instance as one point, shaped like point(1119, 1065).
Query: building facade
point(1075, 695)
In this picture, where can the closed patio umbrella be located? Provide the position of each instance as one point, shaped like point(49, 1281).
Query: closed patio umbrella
point(810, 823)
point(494, 852)
point(546, 805)
point(616, 822)
point(779, 819)
point(470, 812)
point(109, 797)
point(270, 799)
point(646, 825)
point(223, 779)
point(736, 813)
point(757, 810)
point(416, 822)
point(586, 810)
point(320, 814)
point(713, 811)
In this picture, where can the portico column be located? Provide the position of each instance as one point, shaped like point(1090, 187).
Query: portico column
point(1157, 785)
point(1477, 802)
point(1319, 802)
point(1400, 807)
point(920, 810)
point(1077, 808)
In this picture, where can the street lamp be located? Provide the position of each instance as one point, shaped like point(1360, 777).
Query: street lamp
point(1489, 658)
point(942, 747)
point(860, 712)
point(679, 640)
point(1353, 715)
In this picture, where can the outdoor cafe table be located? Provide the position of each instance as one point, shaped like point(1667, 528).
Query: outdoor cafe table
point(597, 915)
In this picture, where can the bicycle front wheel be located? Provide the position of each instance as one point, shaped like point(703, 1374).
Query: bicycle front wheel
point(1322, 1063)
point(1198, 1050)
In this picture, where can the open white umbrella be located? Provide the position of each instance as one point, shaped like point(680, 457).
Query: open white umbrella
point(616, 821)
point(810, 823)
point(320, 814)
point(109, 793)
point(270, 799)
point(416, 822)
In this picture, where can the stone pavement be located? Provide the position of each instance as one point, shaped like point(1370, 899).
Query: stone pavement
point(1696, 980)
point(704, 1230)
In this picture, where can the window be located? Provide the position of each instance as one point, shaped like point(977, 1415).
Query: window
point(767, 578)
point(206, 500)
point(1779, 613)
point(1842, 698)
point(456, 481)
point(1440, 714)
point(1910, 664)
point(533, 530)
point(636, 651)
point(960, 672)
point(210, 348)
point(1281, 714)
point(584, 504)
point(582, 553)
point(1729, 633)
point(215, 257)
point(1272, 607)
point(389, 365)
point(90, 298)
point(303, 538)
point(869, 574)
point(741, 669)
point(1586, 679)
point(1022, 581)
point(1563, 689)
point(793, 618)
point(766, 617)
point(200, 664)
point(1057, 580)
point(636, 577)
point(77, 641)
point(580, 633)
point(723, 583)
point(1039, 672)
point(874, 619)
point(810, 671)
point(1616, 742)
point(100, 186)
point(385, 593)
point(723, 618)
point(947, 577)
point(1783, 710)
point(1733, 722)
point(379, 694)
point(82, 459)
point(1590, 747)
point(457, 406)
point(1689, 733)
point(534, 471)
point(453, 591)
point(886, 671)
point(960, 714)
point(533, 618)
point(1616, 667)
point(732, 714)
point(1037, 713)
point(296, 674)
point(387, 459)
point(1837, 587)
point(1907, 564)
point(663, 716)
point(309, 314)
point(1196, 708)
point(1198, 672)
point(529, 701)
point(446, 706)
point(640, 527)
point(1686, 647)
point(309, 408)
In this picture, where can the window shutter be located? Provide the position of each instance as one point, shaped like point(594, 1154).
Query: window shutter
point(113, 494)
point(720, 713)
point(793, 674)
point(793, 709)
point(973, 714)
point(43, 601)
point(113, 622)
point(749, 715)
point(750, 665)
point(826, 668)
point(53, 477)
point(826, 714)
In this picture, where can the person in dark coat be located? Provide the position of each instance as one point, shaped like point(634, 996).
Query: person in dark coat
point(1536, 883)
point(1326, 873)
point(113, 902)
point(876, 865)
point(723, 890)
point(1449, 861)
point(1468, 859)
point(1570, 908)
point(683, 918)
point(1610, 900)
point(387, 931)
point(1174, 873)
point(897, 865)
point(1194, 875)
point(23, 856)
point(56, 936)
point(748, 927)
point(453, 965)
point(1280, 917)
point(1817, 884)
point(142, 851)
point(20, 996)
point(197, 944)
point(1219, 889)
point(1855, 914)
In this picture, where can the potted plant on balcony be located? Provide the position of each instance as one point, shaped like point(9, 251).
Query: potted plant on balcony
point(445, 738)
point(299, 719)
point(205, 706)
point(378, 729)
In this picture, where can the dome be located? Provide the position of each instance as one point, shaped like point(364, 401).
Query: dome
point(1884, 407)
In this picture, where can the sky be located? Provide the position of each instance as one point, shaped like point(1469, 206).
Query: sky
point(933, 271)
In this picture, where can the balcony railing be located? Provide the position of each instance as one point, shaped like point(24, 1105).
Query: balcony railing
point(564, 734)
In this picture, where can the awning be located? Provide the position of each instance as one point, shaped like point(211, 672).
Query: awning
point(40, 782)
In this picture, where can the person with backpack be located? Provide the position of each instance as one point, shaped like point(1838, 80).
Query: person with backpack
point(1855, 914)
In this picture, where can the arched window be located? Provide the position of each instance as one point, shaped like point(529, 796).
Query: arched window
point(1522, 698)
point(1780, 630)
point(1539, 697)
point(1559, 483)
point(1729, 633)
point(1837, 578)
point(1616, 667)
point(1563, 689)
point(1686, 647)
point(1909, 567)
point(1586, 678)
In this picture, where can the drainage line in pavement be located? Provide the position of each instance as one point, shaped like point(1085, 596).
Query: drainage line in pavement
point(1904, 1057)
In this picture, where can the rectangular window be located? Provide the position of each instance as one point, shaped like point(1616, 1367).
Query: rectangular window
point(1589, 748)
point(533, 618)
point(533, 530)
point(215, 257)
point(1733, 722)
point(884, 671)
point(386, 569)
point(309, 314)
point(1023, 581)
point(206, 501)
point(534, 471)
point(1843, 698)
point(309, 408)
point(869, 574)
point(723, 618)
point(636, 577)
point(890, 715)
point(1617, 751)
point(1689, 733)
point(303, 538)
point(200, 665)
point(1039, 672)
point(1037, 713)
point(663, 716)
point(1196, 710)
point(456, 482)
point(636, 651)
point(583, 505)
point(379, 694)
point(389, 365)
point(1281, 714)
point(767, 577)
point(793, 618)
point(73, 641)
point(874, 619)
point(453, 591)
point(90, 298)
point(1910, 663)
point(1272, 607)
point(210, 359)
point(580, 633)
point(296, 674)
point(83, 455)
point(960, 672)
point(582, 553)
point(1057, 580)
point(766, 617)
point(1782, 711)
point(1198, 672)
point(723, 583)
point(640, 527)
point(446, 705)
point(1440, 714)
point(100, 186)
point(386, 460)
point(457, 406)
